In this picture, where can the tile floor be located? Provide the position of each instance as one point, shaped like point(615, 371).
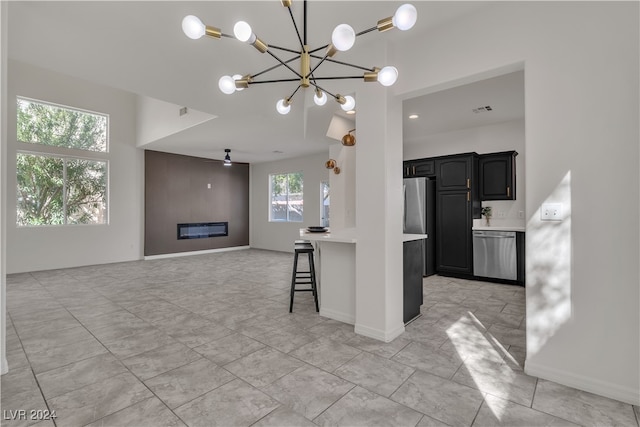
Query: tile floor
point(208, 340)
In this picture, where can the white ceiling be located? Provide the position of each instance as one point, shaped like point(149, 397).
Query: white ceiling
point(453, 109)
point(139, 47)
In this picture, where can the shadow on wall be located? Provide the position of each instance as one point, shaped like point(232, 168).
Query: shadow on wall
point(549, 267)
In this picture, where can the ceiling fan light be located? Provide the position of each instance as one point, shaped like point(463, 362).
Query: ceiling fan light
point(227, 85)
point(343, 37)
point(320, 100)
point(388, 75)
point(405, 17)
point(349, 104)
point(283, 106)
point(243, 32)
point(193, 27)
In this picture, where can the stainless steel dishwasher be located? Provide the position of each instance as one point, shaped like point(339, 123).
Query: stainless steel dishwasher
point(495, 254)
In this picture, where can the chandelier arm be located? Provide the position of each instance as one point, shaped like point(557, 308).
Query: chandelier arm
point(337, 78)
point(344, 63)
point(368, 30)
point(294, 92)
point(274, 67)
point(318, 49)
point(227, 35)
point(276, 81)
point(314, 68)
point(283, 63)
point(285, 49)
point(296, 27)
point(324, 90)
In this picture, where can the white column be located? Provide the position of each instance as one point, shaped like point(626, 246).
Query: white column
point(4, 367)
point(379, 204)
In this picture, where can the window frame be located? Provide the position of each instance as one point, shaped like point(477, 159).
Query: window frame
point(287, 220)
point(65, 154)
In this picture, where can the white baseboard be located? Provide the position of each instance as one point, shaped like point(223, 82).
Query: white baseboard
point(591, 385)
point(207, 251)
point(378, 334)
point(4, 368)
point(336, 315)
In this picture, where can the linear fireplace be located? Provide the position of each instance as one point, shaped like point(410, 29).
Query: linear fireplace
point(201, 230)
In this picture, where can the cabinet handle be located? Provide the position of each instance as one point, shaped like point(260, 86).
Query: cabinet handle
point(407, 171)
point(468, 196)
point(508, 191)
point(414, 169)
point(468, 183)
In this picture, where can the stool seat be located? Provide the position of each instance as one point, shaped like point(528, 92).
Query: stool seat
point(303, 277)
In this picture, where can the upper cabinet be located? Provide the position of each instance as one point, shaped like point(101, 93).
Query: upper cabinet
point(456, 172)
point(416, 168)
point(497, 173)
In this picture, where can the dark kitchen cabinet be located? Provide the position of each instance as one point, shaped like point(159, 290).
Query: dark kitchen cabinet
point(454, 220)
point(457, 204)
point(412, 282)
point(418, 168)
point(497, 175)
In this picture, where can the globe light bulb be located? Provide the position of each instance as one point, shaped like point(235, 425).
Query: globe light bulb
point(349, 104)
point(243, 31)
point(343, 37)
point(227, 85)
point(388, 75)
point(193, 27)
point(283, 107)
point(320, 100)
point(237, 77)
point(405, 17)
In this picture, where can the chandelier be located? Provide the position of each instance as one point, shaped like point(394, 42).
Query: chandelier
point(342, 39)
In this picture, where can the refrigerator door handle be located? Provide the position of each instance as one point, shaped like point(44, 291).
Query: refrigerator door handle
point(404, 220)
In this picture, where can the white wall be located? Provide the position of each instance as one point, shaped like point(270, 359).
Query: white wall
point(41, 248)
point(279, 236)
point(494, 138)
point(3, 186)
point(157, 119)
point(581, 103)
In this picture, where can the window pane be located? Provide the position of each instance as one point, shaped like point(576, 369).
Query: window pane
point(295, 197)
point(61, 127)
point(86, 192)
point(40, 190)
point(286, 197)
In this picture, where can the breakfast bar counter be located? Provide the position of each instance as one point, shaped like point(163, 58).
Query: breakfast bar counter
point(335, 258)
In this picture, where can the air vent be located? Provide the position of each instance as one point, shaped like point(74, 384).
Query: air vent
point(482, 109)
point(183, 111)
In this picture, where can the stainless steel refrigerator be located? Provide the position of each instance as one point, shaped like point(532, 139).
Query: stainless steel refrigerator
point(419, 216)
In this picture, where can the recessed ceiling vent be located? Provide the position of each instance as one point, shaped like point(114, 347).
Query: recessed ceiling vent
point(484, 109)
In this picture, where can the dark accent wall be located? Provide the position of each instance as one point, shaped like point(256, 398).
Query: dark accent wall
point(176, 192)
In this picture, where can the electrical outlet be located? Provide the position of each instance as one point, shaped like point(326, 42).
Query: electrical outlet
point(551, 212)
point(520, 214)
point(501, 214)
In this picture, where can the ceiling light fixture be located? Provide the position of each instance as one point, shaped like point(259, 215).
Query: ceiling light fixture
point(342, 39)
point(413, 116)
point(227, 157)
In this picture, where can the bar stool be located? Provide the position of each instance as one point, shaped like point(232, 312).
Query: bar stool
point(303, 277)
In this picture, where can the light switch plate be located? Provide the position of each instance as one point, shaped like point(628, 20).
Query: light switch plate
point(551, 212)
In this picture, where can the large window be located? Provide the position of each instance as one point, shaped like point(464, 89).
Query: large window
point(286, 201)
point(61, 165)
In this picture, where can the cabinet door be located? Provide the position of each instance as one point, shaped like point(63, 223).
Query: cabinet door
point(417, 168)
point(454, 222)
point(412, 289)
point(497, 176)
point(454, 173)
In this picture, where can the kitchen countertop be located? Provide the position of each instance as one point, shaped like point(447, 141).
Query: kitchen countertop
point(348, 235)
point(500, 228)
